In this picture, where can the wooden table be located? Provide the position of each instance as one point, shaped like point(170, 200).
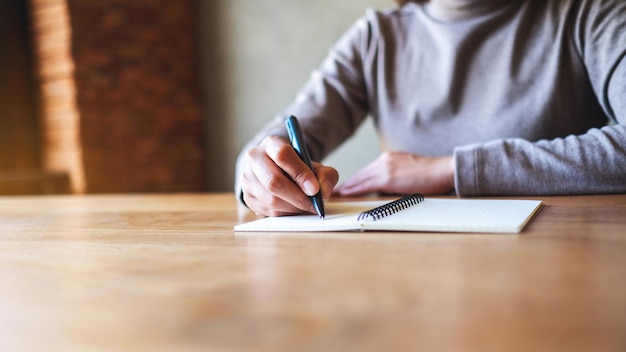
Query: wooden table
point(167, 273)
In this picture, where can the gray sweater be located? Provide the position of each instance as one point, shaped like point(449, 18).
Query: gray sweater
point(530, 99)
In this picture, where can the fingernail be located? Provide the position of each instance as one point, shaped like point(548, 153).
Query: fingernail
point(310, 188)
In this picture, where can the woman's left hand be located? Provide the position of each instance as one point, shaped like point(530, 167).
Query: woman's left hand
point(401, 173)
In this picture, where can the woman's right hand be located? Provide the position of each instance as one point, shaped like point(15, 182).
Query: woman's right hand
point(276, 182)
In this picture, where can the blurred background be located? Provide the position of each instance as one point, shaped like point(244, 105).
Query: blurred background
point(116, 96)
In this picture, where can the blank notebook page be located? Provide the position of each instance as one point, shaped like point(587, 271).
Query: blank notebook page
point(438, 215)
point(461, 215)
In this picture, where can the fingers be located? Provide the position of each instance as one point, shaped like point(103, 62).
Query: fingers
point(263, 202)
point(327, 177)
point(276, 182)
point(402, 173)
point(286, 158)
point(365, 181)
point(268, 190)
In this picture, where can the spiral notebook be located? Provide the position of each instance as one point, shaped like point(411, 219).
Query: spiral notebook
point(411, 213)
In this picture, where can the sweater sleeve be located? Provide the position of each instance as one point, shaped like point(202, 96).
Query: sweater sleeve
point(332, 103)
point(594, 162)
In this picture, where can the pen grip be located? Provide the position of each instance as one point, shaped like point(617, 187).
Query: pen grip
point(297, 142)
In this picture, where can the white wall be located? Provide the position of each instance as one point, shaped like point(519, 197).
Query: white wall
point(255, 56)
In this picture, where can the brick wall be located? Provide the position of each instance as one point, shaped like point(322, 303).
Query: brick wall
point(121, 106)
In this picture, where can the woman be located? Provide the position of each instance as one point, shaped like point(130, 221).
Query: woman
point(480, 97)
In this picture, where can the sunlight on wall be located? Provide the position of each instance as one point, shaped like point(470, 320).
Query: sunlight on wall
point(60, 116)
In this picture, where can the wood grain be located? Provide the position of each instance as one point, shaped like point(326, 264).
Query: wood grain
point(167, 273)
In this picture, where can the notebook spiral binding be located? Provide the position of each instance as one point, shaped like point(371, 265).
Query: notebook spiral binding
point(392, 207)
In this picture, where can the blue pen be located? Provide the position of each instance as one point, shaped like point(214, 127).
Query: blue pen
point(297, 142)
